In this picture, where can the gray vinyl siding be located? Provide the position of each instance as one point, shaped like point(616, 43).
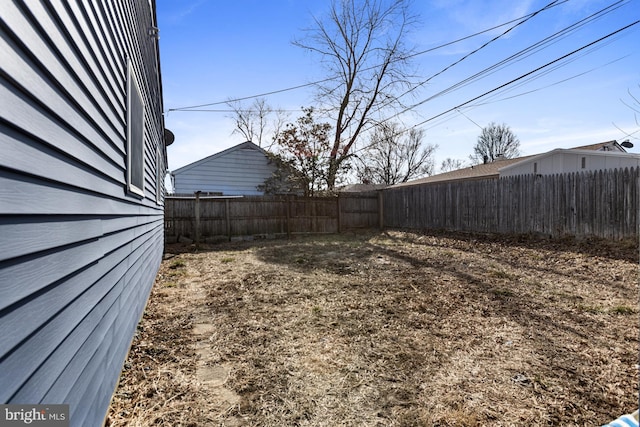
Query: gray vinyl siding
point(78, 251)
point(234, 172)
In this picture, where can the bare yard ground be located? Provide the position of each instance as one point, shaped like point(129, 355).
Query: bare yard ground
point(389, 329)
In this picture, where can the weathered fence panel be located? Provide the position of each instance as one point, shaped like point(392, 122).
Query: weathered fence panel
point(360, 210)
point(205, 218)
point(587, 204)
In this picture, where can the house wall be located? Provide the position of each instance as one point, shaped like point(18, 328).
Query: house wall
point(568, 161)
point(78, 251)
point(236, 173)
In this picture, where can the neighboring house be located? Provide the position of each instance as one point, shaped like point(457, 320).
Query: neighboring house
point(604, 155)
point(82, 168)
point(573, 160)
point(236, 171)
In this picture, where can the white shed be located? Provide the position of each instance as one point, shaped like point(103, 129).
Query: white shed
point(571, 160)
point(236, 171)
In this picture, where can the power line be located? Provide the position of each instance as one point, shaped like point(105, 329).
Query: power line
point(517, 56)
point(517, 79)
point(527, 92)
point(520, 22)
point(522, 18)
point(315, 83)
point(512, 84)
point(552, 39)
point(222, 110)
point(547, 86)
point(527, 74)
point(468, 118)
point(249, 97)
point(471, 78)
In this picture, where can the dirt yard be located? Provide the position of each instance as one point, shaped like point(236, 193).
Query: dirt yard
point(389, 329)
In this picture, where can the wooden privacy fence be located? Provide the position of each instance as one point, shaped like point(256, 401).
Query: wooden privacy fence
point(215, 218)
point(588, 204)
point(600, 204)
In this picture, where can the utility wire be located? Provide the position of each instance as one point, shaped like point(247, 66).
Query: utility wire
point(552, 39)
point(489, 101)
point(518, 23)
point(517, 56)
point(315, 83)
point(550, 5)
point(527, 77)
point(532, 78)
point(526, 74)
point(219, 110)
point(524, 17)
point(468, 118)
point(524, 79)
point(191, 108)
point(509, 83)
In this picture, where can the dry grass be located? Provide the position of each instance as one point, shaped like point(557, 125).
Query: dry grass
point(393, 329)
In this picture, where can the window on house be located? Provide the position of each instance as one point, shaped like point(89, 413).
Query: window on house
point(535, 167)
point(584, 162)
point(135, 135)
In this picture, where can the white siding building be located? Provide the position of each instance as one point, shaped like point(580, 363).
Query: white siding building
point(573, 160)
point(236, 171)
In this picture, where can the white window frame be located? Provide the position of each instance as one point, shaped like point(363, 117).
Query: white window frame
point(135, 129)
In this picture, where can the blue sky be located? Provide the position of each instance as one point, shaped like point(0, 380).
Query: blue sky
point(215, 50)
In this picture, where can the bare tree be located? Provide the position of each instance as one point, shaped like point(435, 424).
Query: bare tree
point(394, 156)
point(450, 164)
point(257, 123)
point(495, 141)
point(362, 45)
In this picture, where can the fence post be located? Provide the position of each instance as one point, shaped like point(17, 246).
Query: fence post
point(339, 218)
point(227, 214)
point(288, 201)
point(636, 203)
point(197, 212)
point(380, 210)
